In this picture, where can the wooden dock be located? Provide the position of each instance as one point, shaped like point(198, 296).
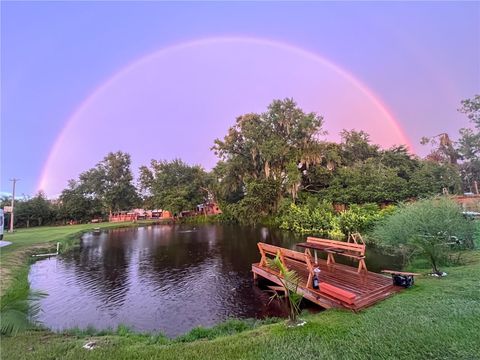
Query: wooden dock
point(362, 289)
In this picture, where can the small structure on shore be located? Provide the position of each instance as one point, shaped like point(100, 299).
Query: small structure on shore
point(49, 254)
point(139, 214)
point(468, 202)
point(208, 208)
point(122, 216)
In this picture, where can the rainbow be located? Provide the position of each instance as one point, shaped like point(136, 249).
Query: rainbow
point(45, 172)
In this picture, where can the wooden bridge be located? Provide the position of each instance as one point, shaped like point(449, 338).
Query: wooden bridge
point(341, 286)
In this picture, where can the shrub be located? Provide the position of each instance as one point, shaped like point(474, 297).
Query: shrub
point(433, 227)
point(361, 218)
point(318, 218)
point(314, 220)
point(227, 216)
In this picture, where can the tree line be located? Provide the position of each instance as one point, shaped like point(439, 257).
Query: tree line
point(266, 162)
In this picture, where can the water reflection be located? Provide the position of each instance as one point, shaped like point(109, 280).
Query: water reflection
point(158, 278)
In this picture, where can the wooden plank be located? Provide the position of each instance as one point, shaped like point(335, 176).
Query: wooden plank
point(267, 248)
point(343, 295)
point(263, 260)
point(347, 279)
point(377, 297)
point(394, 272)
point(299, 256)
point(362, 265)
point(310, 245)
point(337, 244)
point(307, 294)
point(334, 246)
point(277, 288)
point(347, 249)
point(276, 250)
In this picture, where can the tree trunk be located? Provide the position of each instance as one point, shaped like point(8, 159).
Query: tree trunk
point(267, 169)
point(434, 264)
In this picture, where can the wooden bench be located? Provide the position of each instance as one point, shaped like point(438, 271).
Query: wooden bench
point(282, 253)
point(333, 291)
point(349, 249)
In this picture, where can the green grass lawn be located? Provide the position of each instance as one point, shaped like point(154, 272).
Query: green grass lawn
point(436, 319)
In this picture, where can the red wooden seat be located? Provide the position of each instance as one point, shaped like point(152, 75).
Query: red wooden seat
point(343, 295)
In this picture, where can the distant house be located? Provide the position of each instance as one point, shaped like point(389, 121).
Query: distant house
point(158, 214)
point(468, 201)
point(166, 214)
point(139, 214)
point(122, 216)
point(210, 208)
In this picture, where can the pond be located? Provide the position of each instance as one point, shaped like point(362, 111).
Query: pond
point(163, 278)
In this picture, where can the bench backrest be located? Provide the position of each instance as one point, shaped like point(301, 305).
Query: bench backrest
point(272, 250)
point(285, 253)
point(357, 248)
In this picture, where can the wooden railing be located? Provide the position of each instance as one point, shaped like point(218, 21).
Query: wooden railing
point(286, 254)
point(352, 250)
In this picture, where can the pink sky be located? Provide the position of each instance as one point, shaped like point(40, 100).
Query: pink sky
point(159, 107)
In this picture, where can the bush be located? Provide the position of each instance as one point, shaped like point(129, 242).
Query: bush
point(362, 218)
point(314, 219)
point(433, 227)
point(319, 218)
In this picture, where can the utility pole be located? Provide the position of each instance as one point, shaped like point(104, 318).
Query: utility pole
point(13, 202)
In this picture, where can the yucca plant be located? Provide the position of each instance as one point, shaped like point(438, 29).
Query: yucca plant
point(290, 281)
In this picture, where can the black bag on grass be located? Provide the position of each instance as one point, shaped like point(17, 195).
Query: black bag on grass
point(403, 280)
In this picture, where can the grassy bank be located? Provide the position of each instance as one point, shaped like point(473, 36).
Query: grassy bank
point(437, 319)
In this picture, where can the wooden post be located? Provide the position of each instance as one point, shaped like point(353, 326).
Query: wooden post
point(310, 268)
point(362, 266)
point(263, 260)
point(330, 259)
point(282, 259)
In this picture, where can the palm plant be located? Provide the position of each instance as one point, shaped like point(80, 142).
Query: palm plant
point(290, 281)
point(19, 305)
point(16, 316)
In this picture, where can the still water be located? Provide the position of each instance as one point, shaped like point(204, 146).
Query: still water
point(167, 278)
